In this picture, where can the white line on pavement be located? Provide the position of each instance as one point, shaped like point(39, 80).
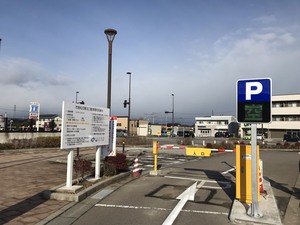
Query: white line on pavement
point(227, 171)
point(226, 184)
point(159, 209)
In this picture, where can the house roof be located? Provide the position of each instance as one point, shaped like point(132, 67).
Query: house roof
point(48, 116)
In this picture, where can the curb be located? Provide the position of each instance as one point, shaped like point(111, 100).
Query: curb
point(77, 197)
point(268, 206)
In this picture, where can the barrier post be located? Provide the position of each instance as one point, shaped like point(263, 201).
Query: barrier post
point(123, 146)
point(155, 152)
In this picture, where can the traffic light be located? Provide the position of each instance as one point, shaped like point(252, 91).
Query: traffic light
point(125, 103)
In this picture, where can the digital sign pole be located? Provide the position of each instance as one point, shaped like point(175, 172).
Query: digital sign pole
point(254, 106)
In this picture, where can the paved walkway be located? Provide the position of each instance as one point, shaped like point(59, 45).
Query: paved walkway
point(23, 177)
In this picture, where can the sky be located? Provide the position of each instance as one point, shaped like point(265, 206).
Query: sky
point(196, 50)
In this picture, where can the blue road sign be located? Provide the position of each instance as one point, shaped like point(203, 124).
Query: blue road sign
point(34, 108)
point(254, 100)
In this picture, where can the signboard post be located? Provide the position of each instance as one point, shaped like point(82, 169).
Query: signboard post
point(83, 126)
point(34, 112)
point(111, 149)
point(254, 106)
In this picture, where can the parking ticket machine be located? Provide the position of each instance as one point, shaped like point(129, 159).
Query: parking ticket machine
point(243, 173)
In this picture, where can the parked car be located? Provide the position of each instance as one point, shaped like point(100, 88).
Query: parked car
point(219, 134)
point(259, 137)
point(185, 134)
point(291, 138)
point(121, 133)
point(247, 137)
point(228, 134)
point(223, 134)
point(164, 133)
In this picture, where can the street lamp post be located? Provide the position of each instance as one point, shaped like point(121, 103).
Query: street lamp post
point(129, 104)
point(110, 35)
point(172, 113)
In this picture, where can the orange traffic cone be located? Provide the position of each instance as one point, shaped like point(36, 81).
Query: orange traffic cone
point(136, 172)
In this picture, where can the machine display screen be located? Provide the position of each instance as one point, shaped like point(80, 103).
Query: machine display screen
point(253, 112)
point(257, 112)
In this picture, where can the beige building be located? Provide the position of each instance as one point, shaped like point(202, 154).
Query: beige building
point(137, 127)
point(122, 122)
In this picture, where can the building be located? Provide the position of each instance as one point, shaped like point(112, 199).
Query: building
point(137, 127)
point(122, 123)
point(2, 122)
point(208, 126)
point(49, 122)
point(155, 129)
point(285, 118)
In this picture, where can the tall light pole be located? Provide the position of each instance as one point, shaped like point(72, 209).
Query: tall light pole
point(172, 113)
point(129, 104)
point(110, 35)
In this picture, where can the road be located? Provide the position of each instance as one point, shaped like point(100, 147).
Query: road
point(174, 198)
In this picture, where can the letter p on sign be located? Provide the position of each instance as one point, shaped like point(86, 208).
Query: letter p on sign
point(253, 88)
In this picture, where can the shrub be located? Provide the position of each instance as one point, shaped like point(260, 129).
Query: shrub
point(136, 140)
point(185, 141)
point(227, 145)
point(278, 145)
point(297, 145)
point(286, 145)
point(82, 167)
point(115, 164)
point(239, 143)
point(209, 145)
point(5, 146)
point(39, 142)
point(47, 142)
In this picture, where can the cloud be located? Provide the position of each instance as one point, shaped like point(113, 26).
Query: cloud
point(24, 81)
point(207, 82)
point(28, 74)
point(265, 19)
point(243, 55)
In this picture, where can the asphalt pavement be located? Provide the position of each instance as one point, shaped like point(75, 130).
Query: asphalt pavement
point(25, 175)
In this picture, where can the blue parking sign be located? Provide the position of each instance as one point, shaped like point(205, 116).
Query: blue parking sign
point(254, 100)
point(34, 108)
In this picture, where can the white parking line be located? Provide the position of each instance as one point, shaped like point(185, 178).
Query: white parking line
point(227, 171)
point(159, 209)
point(226, 184)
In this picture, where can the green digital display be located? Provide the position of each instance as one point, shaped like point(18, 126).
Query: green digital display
point(254, 112)
point(257, 112)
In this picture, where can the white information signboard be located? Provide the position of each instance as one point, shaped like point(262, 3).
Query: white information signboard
point(84, 126)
